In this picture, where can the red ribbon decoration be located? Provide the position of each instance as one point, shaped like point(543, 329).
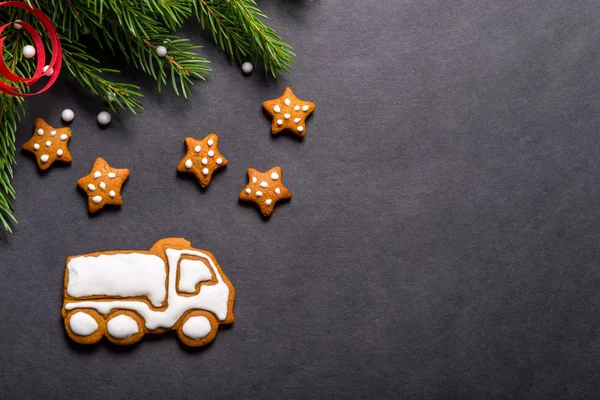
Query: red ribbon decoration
point(55, 61)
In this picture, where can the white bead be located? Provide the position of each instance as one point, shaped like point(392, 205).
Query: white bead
point(104, 118)
point(111, 175)
point(274, 176)
point(300, 128)
point(59, 152)
point(268, 202)
point(68, 115)
point(219, 161)
point(277, 109)
point(102, 185)
point(29, 51)
point(36, 146)
point(279, 122)
point(197, 149)
point(63, 137)
point(97, 199)
point(52, 133)
point(277, 191)
point(97, 174)
point(205, 171)
point(48, 143)
point(44, 158)
point(47, 70)
point(264, 185)
point(112, 193)
point(211, 153)
point(204, 161)
point(258, 193)
point(286, 116)
point(248, 190)
point(210, 142)
point(247, 67)
point(188, 164)
point(161, 51)
point(305, 108)
point(18, 26)
point(91, 187)
point(40, 131)
point(287, 102)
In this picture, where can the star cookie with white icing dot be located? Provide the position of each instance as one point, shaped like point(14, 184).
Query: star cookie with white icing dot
point(289, 112)
point(48, 144)
point(265, 189)
point(103, 185)
point(202, 158)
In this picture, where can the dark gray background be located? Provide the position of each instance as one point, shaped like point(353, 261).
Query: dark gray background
point(443, 236)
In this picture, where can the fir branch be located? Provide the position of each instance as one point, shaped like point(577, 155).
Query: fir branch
point(238, 28)
point(84, 69)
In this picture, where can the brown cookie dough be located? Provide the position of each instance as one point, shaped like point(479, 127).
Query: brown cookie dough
point(202, 158)
point(48, 144)
point(289, 112)
point(124, 295)
point(265, 189)
point(103, 185)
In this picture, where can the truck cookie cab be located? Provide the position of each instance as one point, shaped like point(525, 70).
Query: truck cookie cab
point(125, 294)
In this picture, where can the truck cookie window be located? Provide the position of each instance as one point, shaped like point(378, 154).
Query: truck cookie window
point(125, 295)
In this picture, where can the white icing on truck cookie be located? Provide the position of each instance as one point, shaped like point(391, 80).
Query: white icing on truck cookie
point(124, 295)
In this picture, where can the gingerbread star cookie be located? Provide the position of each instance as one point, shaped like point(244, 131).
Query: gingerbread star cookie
point(265, 189)
point(48, 144)
point(202, 158)
point(103, 185)
point(289, 112)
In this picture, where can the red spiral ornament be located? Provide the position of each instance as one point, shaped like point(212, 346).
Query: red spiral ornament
point(55, 60)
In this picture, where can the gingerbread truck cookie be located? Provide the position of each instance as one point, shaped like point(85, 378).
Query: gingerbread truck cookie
point(124, 295)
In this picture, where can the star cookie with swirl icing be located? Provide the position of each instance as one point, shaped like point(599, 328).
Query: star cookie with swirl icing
point(103, 185)
point(265, 189)
point(48, 144)
point(202, 158)
point(289, 113)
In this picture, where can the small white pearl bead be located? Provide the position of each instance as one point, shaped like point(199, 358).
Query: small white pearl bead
point(28, 51)
point(247, 67)
point(18, 26)
point(104, 118)
point(48, 71)
point(68, 115)
point(161, 51)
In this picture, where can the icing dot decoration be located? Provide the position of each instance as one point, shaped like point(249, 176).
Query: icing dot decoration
point(204, 161)
point(219, 161)
point(188, 164)
point(63, 137)
point(274, 176)
point(197, 149)
point(97, 174)
point(40, 132)
point(102, 185)
point(205, 171)
point(36, 146)
point(268, 202)
point(59, 152)
point(44, 158)
point(264, 185)
point(91, 187)
point(48, 143)
point(211, 153)
point(112, 193)
point(97, 199)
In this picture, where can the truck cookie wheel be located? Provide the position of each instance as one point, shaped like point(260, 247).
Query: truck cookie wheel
point(124, 327)
point(84, 326)
point(197, 329)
